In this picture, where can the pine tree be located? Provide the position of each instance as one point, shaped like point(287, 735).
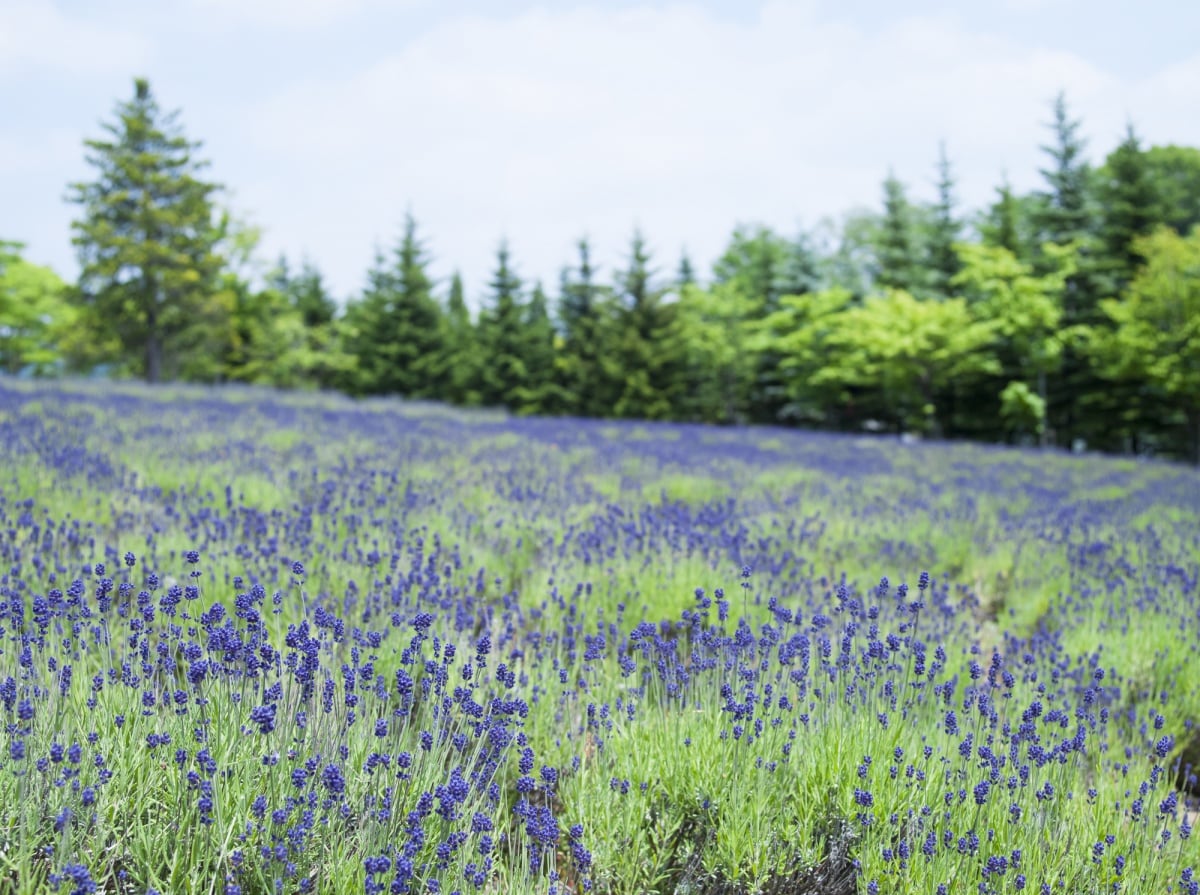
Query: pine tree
point(585, 316)
point(1065, 214)
point(646, 357)
point(685, 275)
point(147, 240)
point(1003, 226)
point(896, 244)
point(542, 392)
point(1130, 205)
point(461, 364)
point(502, 337)
point(800, 272)
point(307, 296)
point(944, 231)
point(397, 332)
point(754, 262)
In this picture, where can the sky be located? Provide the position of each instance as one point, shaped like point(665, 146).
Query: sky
point(327, 120)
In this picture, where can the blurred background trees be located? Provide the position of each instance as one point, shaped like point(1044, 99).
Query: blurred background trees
point(1066, 316)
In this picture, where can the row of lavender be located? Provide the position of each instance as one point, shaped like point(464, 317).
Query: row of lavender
point(255, 644)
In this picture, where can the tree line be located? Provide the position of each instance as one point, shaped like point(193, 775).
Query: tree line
point(1067, 316)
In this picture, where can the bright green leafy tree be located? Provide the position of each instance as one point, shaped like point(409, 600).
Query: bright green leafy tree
point(802, 334)
point(34, 315)
point(1026, 311)
point(1156, 326)
point(912, 350)
point(714, 332)
point(1175, 173)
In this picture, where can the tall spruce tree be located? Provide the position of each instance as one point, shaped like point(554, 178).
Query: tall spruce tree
point(1175, 171)
point(896, 250)
point(585, 317)
point(646, 355)
point(1003, 224)
point(685, 274)
point(147, 239)
point(543, 392)
point(307, 296)
point(944, 230)
point(505, 375)
point(397, 332)
point(461, 366)
point(1131, 207)
point(1065, 213)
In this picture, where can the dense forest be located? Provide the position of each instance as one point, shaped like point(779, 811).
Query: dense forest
point(1068, 316)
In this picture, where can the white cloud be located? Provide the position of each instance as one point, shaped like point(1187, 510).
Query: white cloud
point(277, 14)
point(36, 34)
point(560, 122)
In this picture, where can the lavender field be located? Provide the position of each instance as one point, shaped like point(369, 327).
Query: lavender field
point(253, 643)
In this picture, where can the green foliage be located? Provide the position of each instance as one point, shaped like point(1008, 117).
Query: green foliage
point(1025, 309)
point(395, 332)
point(896, 246)
point(1175, 173)
point(503, 338)
point(944, 229)
point(1023, 410)
point(714, 331)
point(910, 349)
point(587, 316)
point(1131, 206)
point(1006, 222)
point(461, 364)
point(1156, 325)
point(541, 393)
point(645, 355)
point(147, 239)
point(802, 334)
point(35, 315)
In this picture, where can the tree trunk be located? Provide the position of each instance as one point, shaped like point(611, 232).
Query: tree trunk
point(153, 358)
point(1193, 418)
point(1044, 434)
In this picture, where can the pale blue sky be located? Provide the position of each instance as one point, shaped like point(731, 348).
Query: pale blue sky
point(326, 119)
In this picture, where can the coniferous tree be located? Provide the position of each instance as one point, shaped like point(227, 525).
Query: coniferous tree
point(461, 366)
point(307, 296)
point(1003, 225)
point(755, 262)
point(685, 274)
point(1175, 172)
point(505, 375)
point(585, 315)
point(800, 272)
point(415, 320)
point(646, 355)
point(896, 250)
point(1130, 206)
point(396, 325)
point(147, 239)
point(944, 231)
point(1063, 215)
point(542, 393)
